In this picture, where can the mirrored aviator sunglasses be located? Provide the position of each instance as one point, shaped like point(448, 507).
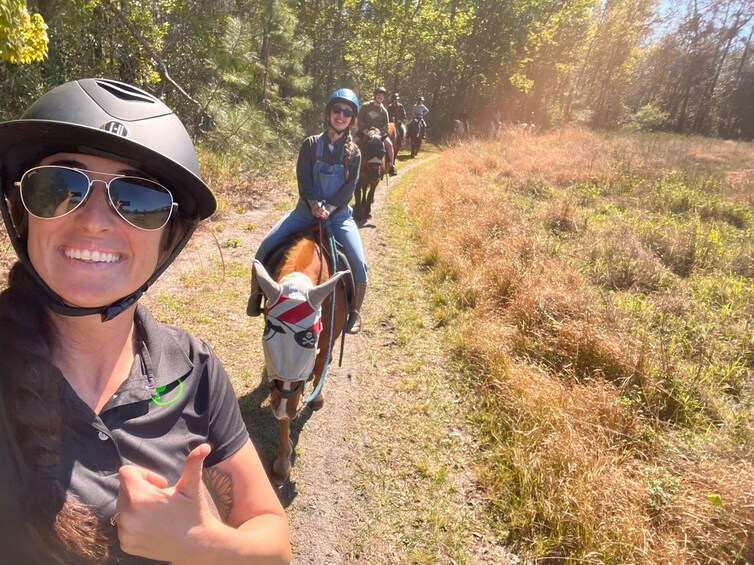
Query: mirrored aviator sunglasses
point(53, 191)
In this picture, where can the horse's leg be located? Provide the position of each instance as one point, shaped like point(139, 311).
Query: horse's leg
point(362, 201)
point(284, 404)
point(281, 467)
point(370, 199)
point(318, 402)
point(357, 202)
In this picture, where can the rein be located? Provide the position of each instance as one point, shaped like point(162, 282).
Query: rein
point(325, 225)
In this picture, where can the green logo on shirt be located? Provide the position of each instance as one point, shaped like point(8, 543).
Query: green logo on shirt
point(160, 401)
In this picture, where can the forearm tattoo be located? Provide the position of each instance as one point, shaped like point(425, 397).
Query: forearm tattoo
point(220, 488)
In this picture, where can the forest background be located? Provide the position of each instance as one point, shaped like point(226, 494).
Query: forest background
point(638, 449)
point(251, 76)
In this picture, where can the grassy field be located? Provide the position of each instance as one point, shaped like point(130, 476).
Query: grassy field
point(600, 291)
point(568, 318)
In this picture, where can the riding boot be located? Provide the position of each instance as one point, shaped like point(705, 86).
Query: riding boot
point(353, 325)
point(254, 306)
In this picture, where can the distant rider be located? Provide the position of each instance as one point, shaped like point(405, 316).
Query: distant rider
point(420, 111)
point(374, 115)
point(397, 114)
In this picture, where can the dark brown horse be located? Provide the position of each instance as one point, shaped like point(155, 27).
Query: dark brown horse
point(373, 168)
point(300, 328)
point(415, 135)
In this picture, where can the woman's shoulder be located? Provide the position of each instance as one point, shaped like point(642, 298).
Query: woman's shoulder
point(310, 142)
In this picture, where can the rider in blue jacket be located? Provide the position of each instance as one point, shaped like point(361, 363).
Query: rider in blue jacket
point(327, 171)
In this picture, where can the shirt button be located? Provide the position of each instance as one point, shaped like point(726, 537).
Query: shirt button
point(103, 436)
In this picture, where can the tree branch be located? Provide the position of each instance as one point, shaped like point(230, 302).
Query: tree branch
point(161, 67)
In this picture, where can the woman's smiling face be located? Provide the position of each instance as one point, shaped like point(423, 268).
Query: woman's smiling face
point(338, 121)
point(92, 257)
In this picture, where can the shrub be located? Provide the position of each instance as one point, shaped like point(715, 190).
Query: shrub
point(646, 118)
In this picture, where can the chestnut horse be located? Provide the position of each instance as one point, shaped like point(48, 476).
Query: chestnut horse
point(300, 327)
point(400, 135)
point(373, 168)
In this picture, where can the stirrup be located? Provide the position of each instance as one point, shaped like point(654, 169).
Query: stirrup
point(353, 325)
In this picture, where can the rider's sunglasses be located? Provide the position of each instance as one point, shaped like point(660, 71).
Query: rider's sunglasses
point(347, 112)
point(52, 191)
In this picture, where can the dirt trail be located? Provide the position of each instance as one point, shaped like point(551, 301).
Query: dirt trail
point(321, 500)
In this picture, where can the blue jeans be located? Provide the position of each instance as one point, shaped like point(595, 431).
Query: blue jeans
point(343, 227)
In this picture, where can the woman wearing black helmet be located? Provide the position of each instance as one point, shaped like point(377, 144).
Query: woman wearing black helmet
point(120, 424)
point(327, 171)
point(374, 115)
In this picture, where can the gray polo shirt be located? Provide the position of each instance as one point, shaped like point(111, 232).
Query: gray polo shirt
point(176, 397)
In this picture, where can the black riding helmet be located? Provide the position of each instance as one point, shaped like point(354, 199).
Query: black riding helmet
point(110, 119)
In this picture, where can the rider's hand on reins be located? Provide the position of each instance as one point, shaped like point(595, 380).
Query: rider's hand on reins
point(319, 210)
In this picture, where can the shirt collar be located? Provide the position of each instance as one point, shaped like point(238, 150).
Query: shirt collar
point(165, 360)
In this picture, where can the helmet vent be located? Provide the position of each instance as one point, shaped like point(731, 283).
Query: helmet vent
point(124, 91)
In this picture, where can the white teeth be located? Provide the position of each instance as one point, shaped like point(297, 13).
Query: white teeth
point(91, 256)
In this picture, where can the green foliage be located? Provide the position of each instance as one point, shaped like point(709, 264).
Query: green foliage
point(661, 488)
point(590, 61)
point(23, 36)
point(647, 118)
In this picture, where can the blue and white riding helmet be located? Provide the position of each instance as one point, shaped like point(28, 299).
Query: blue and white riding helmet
point(345, 95)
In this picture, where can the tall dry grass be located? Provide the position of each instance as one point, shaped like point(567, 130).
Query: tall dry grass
point(617, 415)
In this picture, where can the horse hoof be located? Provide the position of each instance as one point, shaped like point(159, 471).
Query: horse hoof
point(318, 402)
point(280, 476)
point(279, 480)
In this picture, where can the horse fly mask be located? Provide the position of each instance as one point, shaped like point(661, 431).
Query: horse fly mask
point(293, 323)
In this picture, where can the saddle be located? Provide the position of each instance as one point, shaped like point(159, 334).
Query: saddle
point(276, 255)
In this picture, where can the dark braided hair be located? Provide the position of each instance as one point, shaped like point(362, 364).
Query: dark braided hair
point(349, 144)
point(59, 525)
point(349, 147)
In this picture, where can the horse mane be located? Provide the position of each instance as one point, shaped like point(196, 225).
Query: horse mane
point(305, 256)
point(391, 131)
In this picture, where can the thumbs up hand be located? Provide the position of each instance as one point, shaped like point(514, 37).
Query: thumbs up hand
point(155, 520)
